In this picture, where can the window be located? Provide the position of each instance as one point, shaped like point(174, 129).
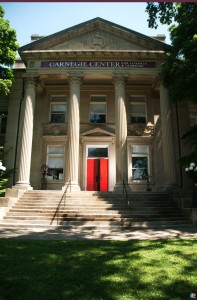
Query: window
point(3, 122)
point(137, 109)
point(58, 109)
point(55, 162)
point(139, 162)
point(98, 152)
point(98, 109)
point(193, 118)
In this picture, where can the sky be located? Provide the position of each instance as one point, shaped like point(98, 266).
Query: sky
point(45, 18)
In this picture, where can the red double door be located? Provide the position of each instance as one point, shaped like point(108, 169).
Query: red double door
point(97, 174)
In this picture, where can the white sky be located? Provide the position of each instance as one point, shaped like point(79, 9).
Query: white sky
point(45, 18)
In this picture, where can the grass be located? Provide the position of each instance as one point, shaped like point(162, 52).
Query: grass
point(97, 270)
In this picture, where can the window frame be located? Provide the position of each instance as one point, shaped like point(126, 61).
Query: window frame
point(53, 171)
point(3, 116)
point(58, 103)
point(194, 112)
point(96, 103)
point(139, 103)
point(146, 155)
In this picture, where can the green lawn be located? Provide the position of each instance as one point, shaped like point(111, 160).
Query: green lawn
point(97, 270)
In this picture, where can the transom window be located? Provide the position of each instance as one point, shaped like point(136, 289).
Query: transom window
point(97, 152)
point(55, 162)
point(58, 109)
point(137, 109)
point(140, 162)
point(98, 109)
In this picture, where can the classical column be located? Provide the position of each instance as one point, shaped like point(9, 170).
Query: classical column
point(27, 134)
point(121, 132)
point(72, 159)
point(168, 141)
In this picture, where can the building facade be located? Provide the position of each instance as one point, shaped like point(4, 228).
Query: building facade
point(88, 103)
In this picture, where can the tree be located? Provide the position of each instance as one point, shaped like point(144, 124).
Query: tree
point(179, 69)
point(8, 48)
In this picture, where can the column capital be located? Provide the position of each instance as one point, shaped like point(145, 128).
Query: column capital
point(119, 78)
point(30, 78)
point(75, 77)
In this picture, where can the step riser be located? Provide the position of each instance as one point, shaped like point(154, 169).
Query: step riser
point(95, 209)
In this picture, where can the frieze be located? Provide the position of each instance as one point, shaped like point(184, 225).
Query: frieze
point(54, 129)
point(140, 130)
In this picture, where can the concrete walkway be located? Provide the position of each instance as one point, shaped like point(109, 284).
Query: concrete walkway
point(105, 234)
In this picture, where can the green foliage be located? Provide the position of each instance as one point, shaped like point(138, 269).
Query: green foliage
point(191, 139)
point(179, 68)
point(4, 177)
point(165, 11)
point(8, 48)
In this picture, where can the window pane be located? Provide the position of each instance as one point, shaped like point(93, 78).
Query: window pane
point(97, 118)
point(55, 162)
point(193, 118)
point(98, 113)
point(98, 99)
point(55, 174)
point(140, 120)
point(137, 99)
point(139, 168)
point(98, 108)
point(139, 109)
point(58, 118)
point(3, 123)
point(58, 107)
point(55, 150)
point(138, 113)
point(139, 149)
point(58, 99)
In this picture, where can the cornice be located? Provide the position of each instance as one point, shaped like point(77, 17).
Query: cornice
point(93, 55)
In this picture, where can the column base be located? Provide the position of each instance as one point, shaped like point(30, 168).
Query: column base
point(22, 185)
point(169, 187)
point(17, 190)
point(71, 187)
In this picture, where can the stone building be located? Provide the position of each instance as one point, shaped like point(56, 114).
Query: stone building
point(88, 103)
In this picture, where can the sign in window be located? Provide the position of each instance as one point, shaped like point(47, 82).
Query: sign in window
point(55, 162)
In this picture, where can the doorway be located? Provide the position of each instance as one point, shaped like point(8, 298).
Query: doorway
point(97, 169)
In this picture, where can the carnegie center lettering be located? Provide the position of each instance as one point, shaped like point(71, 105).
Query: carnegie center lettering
point(95, 64)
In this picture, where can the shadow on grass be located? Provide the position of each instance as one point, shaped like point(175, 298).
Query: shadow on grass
point(95, 270)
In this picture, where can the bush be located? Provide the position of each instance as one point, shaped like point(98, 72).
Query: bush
point(6, 174)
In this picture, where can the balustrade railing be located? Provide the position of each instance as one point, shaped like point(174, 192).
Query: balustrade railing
point(63, 198)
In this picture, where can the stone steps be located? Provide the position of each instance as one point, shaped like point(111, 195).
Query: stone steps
point(95, 210)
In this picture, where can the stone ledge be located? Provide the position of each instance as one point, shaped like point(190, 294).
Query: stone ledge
point(191, 213)
point(5, 204)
